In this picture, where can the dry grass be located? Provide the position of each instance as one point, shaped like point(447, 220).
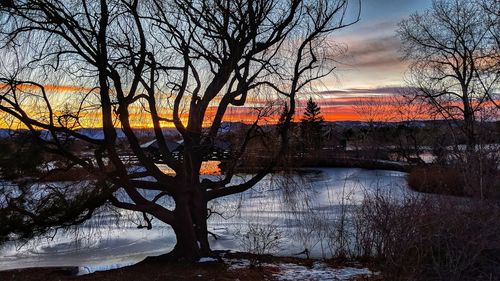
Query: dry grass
point(448, 239)
point(436, 179)
point(472, 176)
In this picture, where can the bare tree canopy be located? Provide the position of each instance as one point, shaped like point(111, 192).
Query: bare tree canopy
point(454, 53)
point(178, 64)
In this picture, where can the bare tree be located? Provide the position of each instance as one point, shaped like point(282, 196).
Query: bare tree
point(375, 109)
point(172, 62)
point(454, 55)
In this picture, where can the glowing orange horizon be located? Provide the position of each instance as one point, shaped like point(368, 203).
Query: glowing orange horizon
point(330, 113)
point(49, 87)
point(333, 108)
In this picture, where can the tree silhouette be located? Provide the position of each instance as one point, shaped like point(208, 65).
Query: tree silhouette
point(312, 125)
point(312, 113)
point(176, 63)
point(455, 59)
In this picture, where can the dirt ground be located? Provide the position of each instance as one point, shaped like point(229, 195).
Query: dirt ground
point(153, 271)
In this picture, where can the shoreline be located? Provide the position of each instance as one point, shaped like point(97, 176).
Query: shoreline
point(227, 266)
point(339, 163)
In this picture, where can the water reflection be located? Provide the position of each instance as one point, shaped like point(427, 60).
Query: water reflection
point(207, 168)
point(308, 197)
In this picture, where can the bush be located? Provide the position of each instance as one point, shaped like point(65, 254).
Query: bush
point(436, 179)
point(430, 239)
point(260, 239)
point(20, 156)
point(474, 175)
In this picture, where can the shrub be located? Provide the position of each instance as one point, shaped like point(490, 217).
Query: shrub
point(473, 175)
point(260, 239)
point(436, 179)
point(430, 239)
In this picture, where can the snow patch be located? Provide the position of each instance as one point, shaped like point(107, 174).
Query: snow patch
point(84, 270)
point(207, 259)
point(319, 271)
point(235, 264)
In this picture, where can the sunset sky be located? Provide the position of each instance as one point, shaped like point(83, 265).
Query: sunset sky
point(373, 60)
point(370, 69)
point(372, 65)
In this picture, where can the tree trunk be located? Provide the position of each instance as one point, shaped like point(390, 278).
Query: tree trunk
point(190, 224)
point(186, 246)
point(199, 214)
point(469, 120)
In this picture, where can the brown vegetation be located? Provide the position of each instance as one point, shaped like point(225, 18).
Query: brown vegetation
point(478, 178)
point(436, 179)
point(430, 239)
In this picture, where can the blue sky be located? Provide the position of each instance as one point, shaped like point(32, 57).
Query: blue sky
point(372, 59)
point(384, 9)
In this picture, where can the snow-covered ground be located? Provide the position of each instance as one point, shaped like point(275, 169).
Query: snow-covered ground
point(319, 272)
point(311, 197)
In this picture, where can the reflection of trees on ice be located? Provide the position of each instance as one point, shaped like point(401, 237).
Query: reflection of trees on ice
point(305, 207)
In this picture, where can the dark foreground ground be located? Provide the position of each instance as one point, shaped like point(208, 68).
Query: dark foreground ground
point(152, 271)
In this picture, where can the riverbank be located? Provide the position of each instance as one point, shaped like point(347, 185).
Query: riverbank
point(367, 164)
point(232, 266)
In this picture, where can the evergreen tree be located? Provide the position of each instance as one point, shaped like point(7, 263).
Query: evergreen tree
point(312, 125)
point(20, 156)
point(312, 113)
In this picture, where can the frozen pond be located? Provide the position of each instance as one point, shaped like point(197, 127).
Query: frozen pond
point(319, 195)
